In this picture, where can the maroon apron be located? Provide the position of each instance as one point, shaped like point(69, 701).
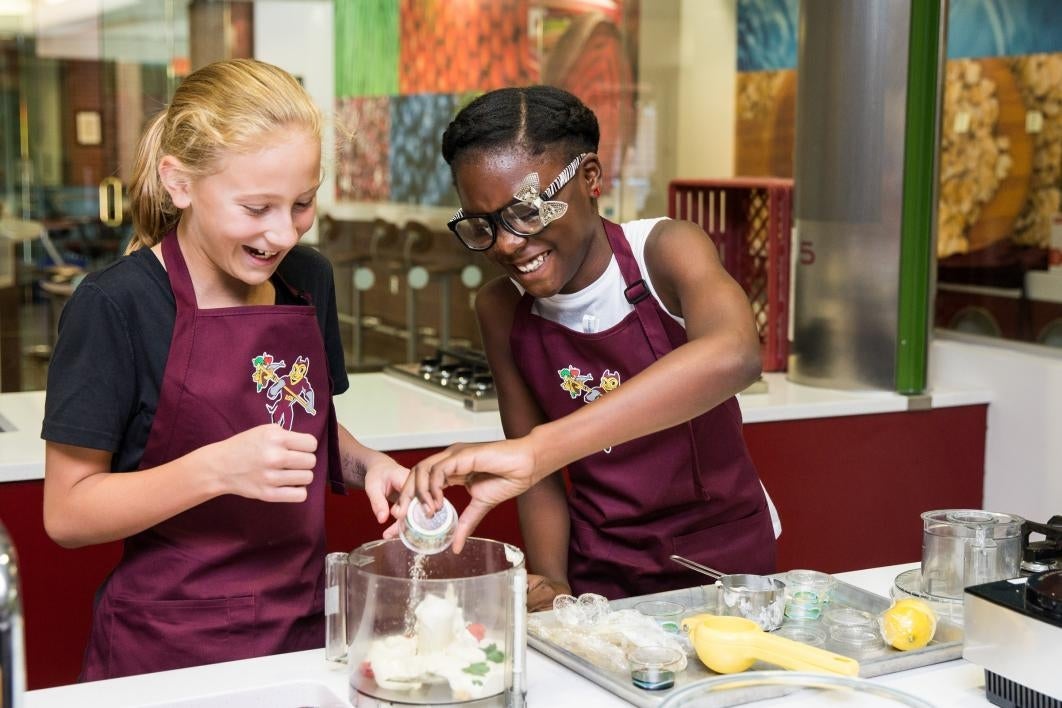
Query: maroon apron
point(231, 578)
point(690, 489)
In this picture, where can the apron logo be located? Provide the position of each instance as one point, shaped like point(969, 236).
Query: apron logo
point(575, 382)
point(293, 389)
point(610, 381)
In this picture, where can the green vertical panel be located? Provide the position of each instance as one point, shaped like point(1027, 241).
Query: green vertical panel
point(919, 193)
point(366, 47)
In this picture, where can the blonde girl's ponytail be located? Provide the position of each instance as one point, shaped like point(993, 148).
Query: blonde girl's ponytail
point(152, 211)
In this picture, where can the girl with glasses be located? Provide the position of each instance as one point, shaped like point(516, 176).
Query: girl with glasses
point(616, 351)
point(189, 405)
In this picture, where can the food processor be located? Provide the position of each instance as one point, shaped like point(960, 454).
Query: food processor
point(1014, 626)
point(435, 629)
point(960, 548)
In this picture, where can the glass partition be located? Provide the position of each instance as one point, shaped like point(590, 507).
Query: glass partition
point(1000, 216)
point(389, 76)
point(999, 221)
point(79, 79)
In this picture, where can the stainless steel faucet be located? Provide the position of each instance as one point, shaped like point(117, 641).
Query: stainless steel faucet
point(12, 648)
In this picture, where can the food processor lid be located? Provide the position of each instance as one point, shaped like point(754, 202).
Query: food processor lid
point(1002, 525)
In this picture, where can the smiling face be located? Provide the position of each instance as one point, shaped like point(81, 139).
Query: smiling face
point(571, 252)
point(239, 222)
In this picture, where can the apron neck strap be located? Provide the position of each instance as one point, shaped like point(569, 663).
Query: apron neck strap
point(637, 290)
point(181, 280)
point(177, 271)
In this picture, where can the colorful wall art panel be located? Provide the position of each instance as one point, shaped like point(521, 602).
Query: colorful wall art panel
point(419, 175)
point(366, 47)
point(363, 137)
point(452, 47)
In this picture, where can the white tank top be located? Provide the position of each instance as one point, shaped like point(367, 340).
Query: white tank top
point(601, 304)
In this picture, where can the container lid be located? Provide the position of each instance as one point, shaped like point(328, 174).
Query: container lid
point(430, 526)
point(969, 521)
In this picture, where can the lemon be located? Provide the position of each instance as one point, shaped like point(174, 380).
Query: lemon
point(908, 624)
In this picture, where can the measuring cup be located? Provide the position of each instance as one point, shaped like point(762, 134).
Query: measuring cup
point(755, 597)
point(729, 645)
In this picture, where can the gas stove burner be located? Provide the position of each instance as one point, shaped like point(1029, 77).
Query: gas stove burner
point(481, 383)
point(458, 373)
point(1038, 556)
point(429, 364)
point(443, 373)
point(1044, 590)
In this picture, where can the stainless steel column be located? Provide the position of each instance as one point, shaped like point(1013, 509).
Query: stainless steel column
point(848, 181)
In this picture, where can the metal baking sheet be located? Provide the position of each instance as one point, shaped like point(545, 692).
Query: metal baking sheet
point(946, 646)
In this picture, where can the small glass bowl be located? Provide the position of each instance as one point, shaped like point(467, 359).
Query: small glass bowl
point(854, 632)
point(667, 614)
point(848, 618)
point(802, 632)
point(858, 644)
point(807, 593)
point(654, 667)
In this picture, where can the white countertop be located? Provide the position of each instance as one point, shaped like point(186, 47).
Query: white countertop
point(305, 677)
point(389, 414)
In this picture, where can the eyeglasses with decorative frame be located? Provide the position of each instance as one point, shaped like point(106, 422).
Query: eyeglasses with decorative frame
point(526, 215)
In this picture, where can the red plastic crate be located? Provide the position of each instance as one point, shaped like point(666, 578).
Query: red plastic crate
point(750, 220)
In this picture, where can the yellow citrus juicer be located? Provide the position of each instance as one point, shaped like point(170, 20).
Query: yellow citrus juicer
point(729, 645)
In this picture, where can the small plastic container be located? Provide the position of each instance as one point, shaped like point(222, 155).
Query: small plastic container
point(808, 592)
point(667, 614)
point(654, 667)
point(429, 535)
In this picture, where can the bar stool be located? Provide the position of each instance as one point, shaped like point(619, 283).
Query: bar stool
point(58, 287)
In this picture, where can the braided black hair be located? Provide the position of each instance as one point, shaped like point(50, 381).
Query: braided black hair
point(535, 118)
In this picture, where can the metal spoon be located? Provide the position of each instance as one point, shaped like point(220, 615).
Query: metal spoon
point(693, 565)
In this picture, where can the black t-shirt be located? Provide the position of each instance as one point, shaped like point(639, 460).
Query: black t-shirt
point(114, 339)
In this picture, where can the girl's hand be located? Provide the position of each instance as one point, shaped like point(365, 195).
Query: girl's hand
point(541, 591)
point(384, 479)
point(492, 473)
point(267, 462)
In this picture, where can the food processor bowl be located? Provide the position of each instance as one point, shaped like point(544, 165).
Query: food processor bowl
point(964, 547)
point(440, 629)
